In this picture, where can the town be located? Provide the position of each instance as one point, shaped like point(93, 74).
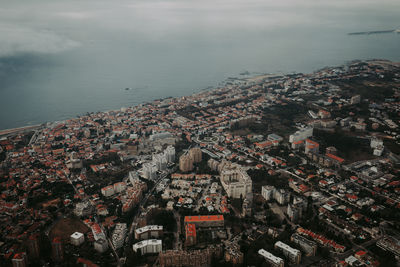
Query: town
point(272, 170)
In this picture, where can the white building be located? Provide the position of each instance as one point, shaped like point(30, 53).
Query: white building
point(267, 191)
point(148, 246)
point(149, 171)
point(294, 255)
point(101, 245)
point(301, 134)
point(282, 196)
point(119, 234)
point(77, 238)
point(236, 181)
point(160, 160)
point(149, 231)
point(170, 153)
point(271, 259)
point(376, 143)
point(158, 136)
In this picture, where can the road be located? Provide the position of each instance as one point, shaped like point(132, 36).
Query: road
point(142, 204)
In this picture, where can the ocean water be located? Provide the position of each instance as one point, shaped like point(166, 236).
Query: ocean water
point(60, 59)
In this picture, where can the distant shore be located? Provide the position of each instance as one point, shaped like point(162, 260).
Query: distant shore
point(253, 78)
point(19, 129)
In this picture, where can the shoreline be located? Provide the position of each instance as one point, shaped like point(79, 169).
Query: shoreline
point(251, 79)
point(19, 129)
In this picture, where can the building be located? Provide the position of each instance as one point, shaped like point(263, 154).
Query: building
point(159, 136)
point(83, 208)
point(309, 247)
point(119, 234)
point(119, 187)
point(170, 153)
point(57, 249)
point(294, 255)
point(267, 191)
point(149, 231)
point(74, 162)
point(185, 163)
point(192, 258)
point(271, 259)
point(389, 243)
point(20, 260)
point(355, 99)
point(77, 239)
point(236, 182)
point(107, 191)
point(149, 170)
point(311, 147)
point(190, 232)
point(294, 212)
point(301, 135)
point(148, 246)
point(195, 154)
point(274, 138)
point(97, 232)
point(205, 220)
point(101, 245)
point(331, 150)
point(160, 160)
point(33, 246)
point(282, 196)
point(233, 254)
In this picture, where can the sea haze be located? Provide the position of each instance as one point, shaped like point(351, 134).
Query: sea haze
point(59, 59)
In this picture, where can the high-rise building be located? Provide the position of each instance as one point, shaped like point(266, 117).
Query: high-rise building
point(236, 181)
point(33, 246)
point(195, 154)
point(294, 255)
point(148, 246)
point(170, 153)
point(149, 231)
point(119, 234)
point(301, 134)
point(271, 259)
point(149, 170)
point(308, 246)
point(57, 249)
point(185, 163)
point(311, 147)
point(282, 196)
point(267, 191)
point(294, 212)
point(160, 160)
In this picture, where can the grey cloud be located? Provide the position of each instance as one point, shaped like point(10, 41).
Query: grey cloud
point(17, 40)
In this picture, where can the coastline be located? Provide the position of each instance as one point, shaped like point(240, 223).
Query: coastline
point(12, 131)
point(251, 79)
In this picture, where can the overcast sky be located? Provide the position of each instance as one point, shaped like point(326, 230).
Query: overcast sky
point(48, 26)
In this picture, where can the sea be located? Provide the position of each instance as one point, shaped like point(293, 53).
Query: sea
point(62, 59)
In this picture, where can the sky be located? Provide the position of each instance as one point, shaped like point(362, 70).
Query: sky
point(48, 27)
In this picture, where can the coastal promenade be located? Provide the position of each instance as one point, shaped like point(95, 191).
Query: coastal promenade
point(19, 130)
